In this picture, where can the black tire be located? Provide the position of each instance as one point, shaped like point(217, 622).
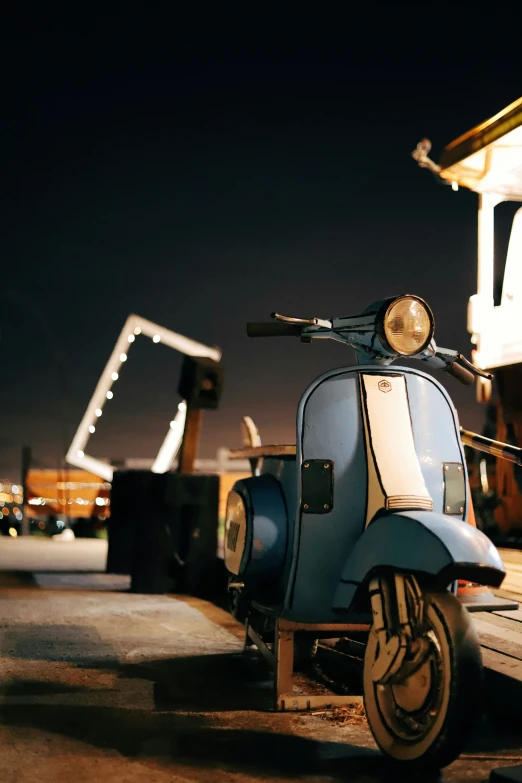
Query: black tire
point(452, 681)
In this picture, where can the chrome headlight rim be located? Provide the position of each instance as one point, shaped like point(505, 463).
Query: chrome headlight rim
point(380, 321)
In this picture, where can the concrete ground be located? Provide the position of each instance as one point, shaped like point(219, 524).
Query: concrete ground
point(97, 684)
point(35, 553)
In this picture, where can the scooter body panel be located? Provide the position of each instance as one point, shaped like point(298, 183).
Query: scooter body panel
point(256, 542)
point(344, 422)
point(331, 426)
point(424, 543)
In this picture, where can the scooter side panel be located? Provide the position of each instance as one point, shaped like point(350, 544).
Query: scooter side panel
point(436, 435)
point(329, 428)
point(421, 542)
point(261, 547)
point(284, 470)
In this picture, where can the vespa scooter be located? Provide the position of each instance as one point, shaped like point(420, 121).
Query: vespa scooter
point(361, 526)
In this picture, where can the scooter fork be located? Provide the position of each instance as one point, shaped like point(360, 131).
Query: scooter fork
point(398, 611)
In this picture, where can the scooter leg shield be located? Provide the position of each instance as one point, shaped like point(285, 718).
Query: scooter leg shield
point(421, 542)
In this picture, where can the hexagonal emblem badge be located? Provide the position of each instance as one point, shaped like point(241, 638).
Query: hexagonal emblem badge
point(384, 386)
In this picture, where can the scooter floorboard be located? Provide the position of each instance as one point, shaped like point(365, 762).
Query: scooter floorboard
point(487, 602)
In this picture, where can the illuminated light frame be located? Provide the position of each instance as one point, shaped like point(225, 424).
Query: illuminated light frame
point(134, 326)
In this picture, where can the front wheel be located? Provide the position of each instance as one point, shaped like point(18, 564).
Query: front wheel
point(427, 716)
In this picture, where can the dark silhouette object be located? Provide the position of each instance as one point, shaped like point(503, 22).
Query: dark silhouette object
point(506, 775)
point(163, 531)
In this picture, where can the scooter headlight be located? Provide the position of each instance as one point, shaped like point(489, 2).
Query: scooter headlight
point(406, 325)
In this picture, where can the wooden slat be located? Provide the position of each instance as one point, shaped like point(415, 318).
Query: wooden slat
point(513, 580)
point(262, 451)
point(503, 664)
point(504, 641)
point(511, 587)
point(338, 628)
point(511, 555)
point(503, 623)
point(290, 702)
point(515, 615)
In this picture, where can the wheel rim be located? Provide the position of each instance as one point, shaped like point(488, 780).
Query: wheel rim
point(410, 708)
point(406, 718)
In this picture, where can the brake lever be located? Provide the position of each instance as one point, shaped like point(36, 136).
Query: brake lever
point(453, 358)
point(303, 321)
point(471, 367)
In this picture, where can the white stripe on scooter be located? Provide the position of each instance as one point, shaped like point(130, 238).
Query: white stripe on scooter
point(395, 480)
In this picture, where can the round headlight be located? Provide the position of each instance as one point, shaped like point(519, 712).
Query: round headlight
point(407, 325)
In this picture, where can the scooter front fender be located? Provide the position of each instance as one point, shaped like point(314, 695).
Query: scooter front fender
point(420, 542)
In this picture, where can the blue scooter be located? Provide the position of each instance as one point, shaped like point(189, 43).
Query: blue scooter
point(361, 527)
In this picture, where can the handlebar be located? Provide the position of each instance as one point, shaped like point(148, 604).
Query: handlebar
point(460, 374)
point(359, 332)
point(273, 329)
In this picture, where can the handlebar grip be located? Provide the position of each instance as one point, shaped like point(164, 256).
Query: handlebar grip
point(460, 374)
point(273, 329)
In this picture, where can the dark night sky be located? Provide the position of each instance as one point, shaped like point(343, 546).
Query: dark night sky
point(156, 167)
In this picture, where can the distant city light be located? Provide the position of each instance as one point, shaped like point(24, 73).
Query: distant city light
point(131, 338)
point(92, 429)
point(99, 502)
point(123, 357)
point(109, 395)
point(14, 489)
point(114, 376)
point(156, 338)
point(13, 532)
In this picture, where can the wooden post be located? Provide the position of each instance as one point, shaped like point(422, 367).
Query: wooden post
point(190, 442)
point(284, 666)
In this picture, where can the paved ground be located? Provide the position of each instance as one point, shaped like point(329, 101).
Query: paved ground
point(103, 685)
